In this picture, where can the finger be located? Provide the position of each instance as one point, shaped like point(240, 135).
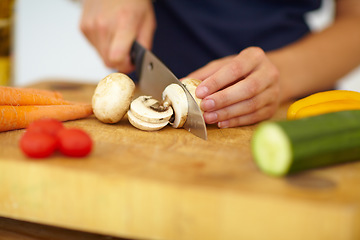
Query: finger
point(86, 22)
point(242, 65)
point(119, 55)
point(95, 27)
point(104, 36)
point(268, 97)
point(251, 118)
point(147, 29)
point(121, 42)
point(252, 85)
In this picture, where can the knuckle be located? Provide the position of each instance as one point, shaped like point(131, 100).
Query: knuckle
point(224, 114)
point(101, 24)
point(252, 87)
point(236, 69)
point(213, 84)
point(252, 104)
point(257, 51)
point(254, 118)
point(238, 121)
point(213, 63)
point(222, 99)
point(125, 15)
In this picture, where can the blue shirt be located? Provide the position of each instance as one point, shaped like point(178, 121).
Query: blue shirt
point(191, 33)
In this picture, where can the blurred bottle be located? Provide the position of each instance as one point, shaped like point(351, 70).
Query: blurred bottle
point(6, 23)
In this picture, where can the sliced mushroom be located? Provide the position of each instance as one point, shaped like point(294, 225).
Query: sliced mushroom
point(150, 110)
point(146, 113)
point(174, 96)
point(191, 84)
point(142, 125)
point(112, 97)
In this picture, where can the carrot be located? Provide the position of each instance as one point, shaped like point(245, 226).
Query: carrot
point(17, 117)
point(29, 96)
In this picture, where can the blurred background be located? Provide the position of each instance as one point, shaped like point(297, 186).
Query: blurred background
point(47, 43)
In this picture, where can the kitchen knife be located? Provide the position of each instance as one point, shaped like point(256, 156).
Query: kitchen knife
point(154, 77)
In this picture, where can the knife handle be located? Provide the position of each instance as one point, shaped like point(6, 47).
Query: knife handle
point(136, 55)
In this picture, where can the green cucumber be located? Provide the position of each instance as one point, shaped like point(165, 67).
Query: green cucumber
point(285, 147)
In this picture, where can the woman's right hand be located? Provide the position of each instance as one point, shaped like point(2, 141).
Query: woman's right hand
point(111, 26)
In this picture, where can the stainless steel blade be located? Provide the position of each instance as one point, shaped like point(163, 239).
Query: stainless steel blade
point(154, 77)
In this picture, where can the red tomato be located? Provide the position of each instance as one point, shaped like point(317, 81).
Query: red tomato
point(38, 144)
point(74, 142)
point(47, 125)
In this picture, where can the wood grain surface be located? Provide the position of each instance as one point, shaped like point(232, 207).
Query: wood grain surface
point(173, 185)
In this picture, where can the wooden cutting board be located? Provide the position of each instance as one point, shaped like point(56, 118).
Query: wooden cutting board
point(172, 185)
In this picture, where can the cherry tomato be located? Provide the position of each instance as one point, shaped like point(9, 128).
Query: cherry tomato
point(46, 125)
point(74, 142)
point(38, 144)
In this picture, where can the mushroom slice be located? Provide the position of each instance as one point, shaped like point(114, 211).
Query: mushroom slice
point(191, 84)
point(142, 125)
point(149, 110)
point(175, 96)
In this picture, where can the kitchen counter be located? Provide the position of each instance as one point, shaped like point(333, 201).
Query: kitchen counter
point(170, 184)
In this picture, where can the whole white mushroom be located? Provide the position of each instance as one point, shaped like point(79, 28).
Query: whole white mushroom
point(112, 97)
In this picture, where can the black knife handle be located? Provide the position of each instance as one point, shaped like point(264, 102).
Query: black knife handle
point(136, 55)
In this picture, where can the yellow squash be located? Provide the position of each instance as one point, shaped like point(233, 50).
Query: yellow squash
point(324, 102)
point(327, 107)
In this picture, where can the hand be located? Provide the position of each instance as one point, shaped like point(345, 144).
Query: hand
point(238, 90)
point(111, 26)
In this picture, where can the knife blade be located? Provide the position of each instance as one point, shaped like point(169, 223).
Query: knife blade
point(154, 76)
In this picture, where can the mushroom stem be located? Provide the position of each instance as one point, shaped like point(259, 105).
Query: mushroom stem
point(175, 96)
point(166, 102)
point(161, 106)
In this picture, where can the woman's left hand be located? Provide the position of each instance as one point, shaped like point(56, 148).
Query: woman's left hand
point(238, 90)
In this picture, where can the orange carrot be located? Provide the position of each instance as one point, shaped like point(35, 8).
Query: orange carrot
point(29, 96)
point(17, 117)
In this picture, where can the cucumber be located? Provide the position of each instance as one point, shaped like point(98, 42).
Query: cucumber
point(286, 147)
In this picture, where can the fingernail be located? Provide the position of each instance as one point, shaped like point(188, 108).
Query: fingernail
point(207, 104)
point(211, 117)
point(201, 92)
point(224, 124)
